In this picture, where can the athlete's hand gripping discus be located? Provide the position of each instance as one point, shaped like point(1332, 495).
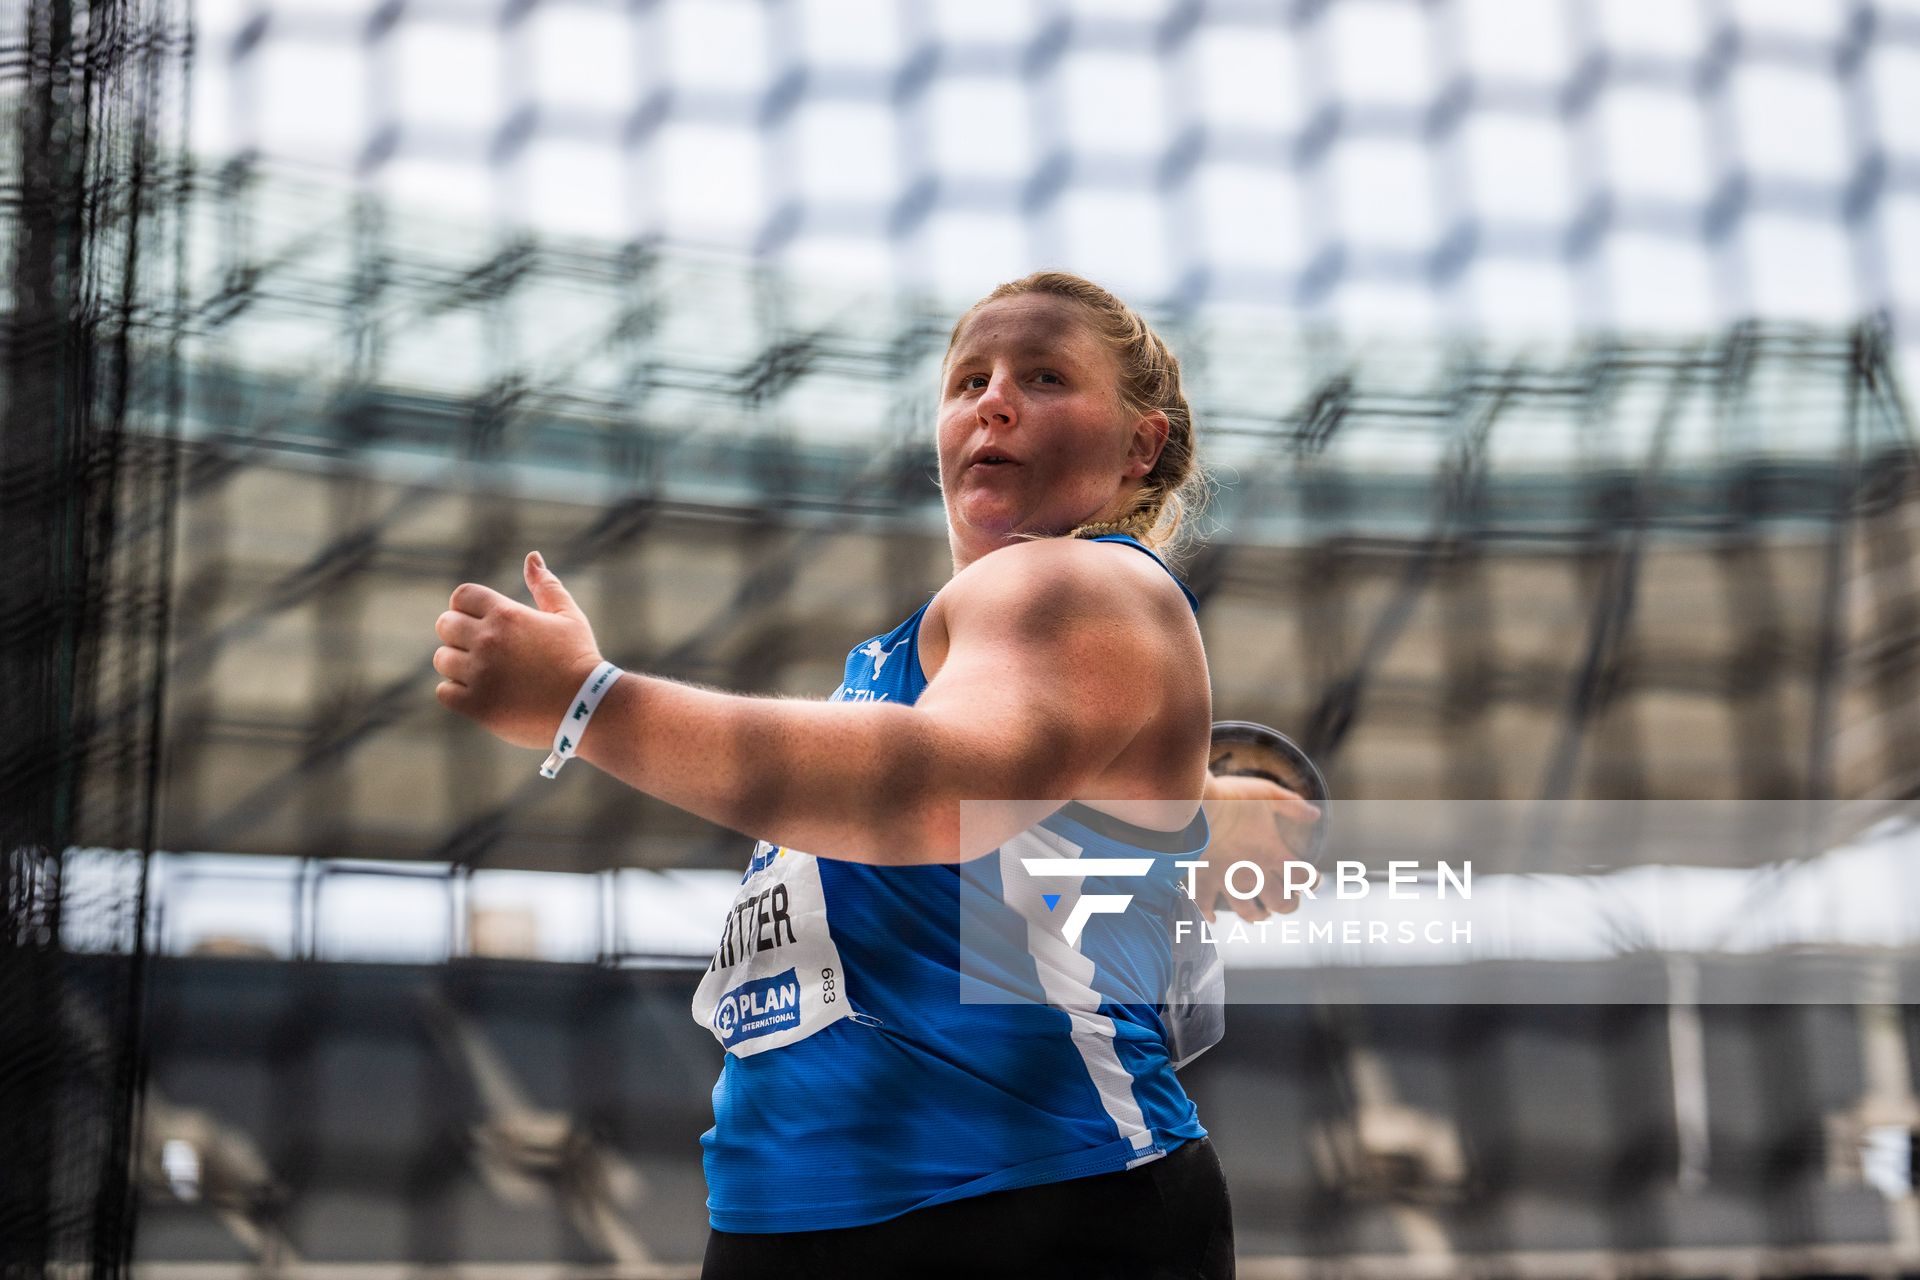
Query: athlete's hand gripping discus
point(1243, 748)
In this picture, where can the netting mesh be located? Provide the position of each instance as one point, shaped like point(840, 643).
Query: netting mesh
point(1634, 568)
point(1399, 162)
point(1620, 567)
point(92, 186)
point(543, 1120)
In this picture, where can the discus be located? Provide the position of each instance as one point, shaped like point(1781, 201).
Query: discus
point(1243, 748)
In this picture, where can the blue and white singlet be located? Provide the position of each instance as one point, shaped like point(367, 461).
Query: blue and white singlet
point(858, 1084)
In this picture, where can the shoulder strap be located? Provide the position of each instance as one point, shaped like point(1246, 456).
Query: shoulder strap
point(1193, 601)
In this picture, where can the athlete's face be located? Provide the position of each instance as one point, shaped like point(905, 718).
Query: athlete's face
point(1034, 437)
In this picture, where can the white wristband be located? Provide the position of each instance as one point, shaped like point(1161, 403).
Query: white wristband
point(567, 741)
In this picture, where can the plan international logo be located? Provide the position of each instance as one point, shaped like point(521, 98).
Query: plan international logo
point(1297, 878)
point(758, 1008)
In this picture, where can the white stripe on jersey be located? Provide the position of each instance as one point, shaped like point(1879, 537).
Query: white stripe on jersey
point(1066, 976)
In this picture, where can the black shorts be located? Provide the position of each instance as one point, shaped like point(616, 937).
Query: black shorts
point(1168, 1220)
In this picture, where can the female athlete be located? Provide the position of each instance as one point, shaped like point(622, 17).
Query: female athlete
point(867, 1122)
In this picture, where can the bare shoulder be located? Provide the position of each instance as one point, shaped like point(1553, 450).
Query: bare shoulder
point(1071, 565)
point(1054, 582)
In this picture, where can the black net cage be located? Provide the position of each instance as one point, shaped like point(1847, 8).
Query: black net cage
point(90, 169)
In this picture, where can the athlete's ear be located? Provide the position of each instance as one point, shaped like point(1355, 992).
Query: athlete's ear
point(1149, 438)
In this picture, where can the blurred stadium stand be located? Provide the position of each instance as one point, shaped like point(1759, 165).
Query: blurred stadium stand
point(493, 1112)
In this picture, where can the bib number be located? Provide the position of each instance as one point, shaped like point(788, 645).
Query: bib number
point(776, 976)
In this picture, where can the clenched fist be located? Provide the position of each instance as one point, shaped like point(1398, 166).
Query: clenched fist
point(513, 668)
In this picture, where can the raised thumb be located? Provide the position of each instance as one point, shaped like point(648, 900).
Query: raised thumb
point(548, 595)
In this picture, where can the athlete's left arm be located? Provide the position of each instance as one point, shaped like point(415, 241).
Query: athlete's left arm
point(1244, 817)
point(1048, 676)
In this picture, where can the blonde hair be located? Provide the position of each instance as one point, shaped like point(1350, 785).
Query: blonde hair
point(1149, 382)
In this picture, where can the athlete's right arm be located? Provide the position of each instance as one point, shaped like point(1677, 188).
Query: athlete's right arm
point(1049, 674)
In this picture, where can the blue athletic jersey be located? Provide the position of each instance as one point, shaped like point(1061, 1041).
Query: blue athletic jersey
point(858, 1084)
